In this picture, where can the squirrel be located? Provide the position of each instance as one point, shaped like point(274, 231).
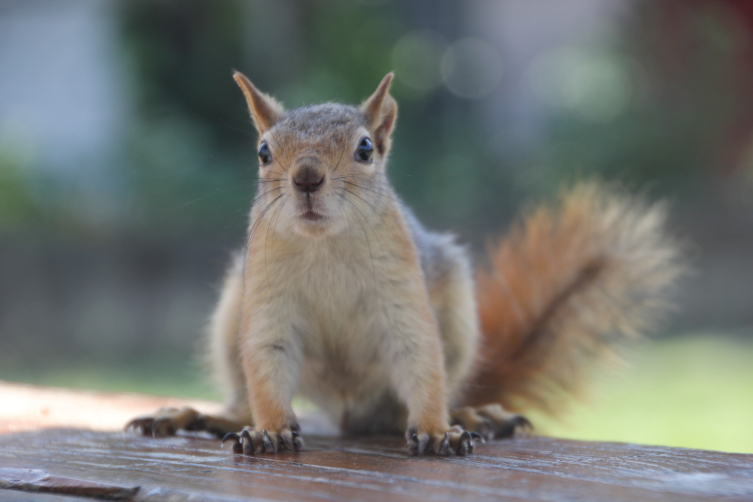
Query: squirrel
point(342, 296)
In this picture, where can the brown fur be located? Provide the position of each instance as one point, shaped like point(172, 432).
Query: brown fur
point(564, 287)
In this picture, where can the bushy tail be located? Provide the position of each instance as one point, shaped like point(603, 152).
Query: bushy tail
point(568, 284)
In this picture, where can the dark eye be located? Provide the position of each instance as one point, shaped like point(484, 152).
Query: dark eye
point(265, 156)
point(365, 151)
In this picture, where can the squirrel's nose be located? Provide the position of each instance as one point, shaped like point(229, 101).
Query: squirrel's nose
point(308, 180)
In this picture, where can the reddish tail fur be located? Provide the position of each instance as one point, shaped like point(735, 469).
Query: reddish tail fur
point(568, 284)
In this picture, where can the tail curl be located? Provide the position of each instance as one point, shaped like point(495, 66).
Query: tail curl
point(566, 286)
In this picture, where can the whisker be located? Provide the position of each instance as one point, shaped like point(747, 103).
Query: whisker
point(274, 156)
point(381, 217)
point(364, 200)
point(236, 128)
point(255, 225)
point(342, 209)
point(254, 178)
point(261, 216)
point(370, 190)
point(368, 242)
point(338, 161)
point(216, 191)
point(275, 172)
point(385, 184)
point(266, 235)
point(253, 229)
point(262, 195)
point(380, 241)
point(414, 182)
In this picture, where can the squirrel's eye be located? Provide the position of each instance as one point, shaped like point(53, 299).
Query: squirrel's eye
point(265, 156)
point(365, 151)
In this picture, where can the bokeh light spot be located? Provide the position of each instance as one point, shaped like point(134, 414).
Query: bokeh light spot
point(596, 87)
point(416, 58)
point(471, 68)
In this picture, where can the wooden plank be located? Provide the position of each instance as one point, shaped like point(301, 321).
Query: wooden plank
point(20, 496)
point(339, 469)
point(38, 481)
point(126, 466)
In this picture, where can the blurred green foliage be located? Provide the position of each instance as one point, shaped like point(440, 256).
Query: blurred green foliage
point(635, 106)
point(191, 137)
point(17, 205)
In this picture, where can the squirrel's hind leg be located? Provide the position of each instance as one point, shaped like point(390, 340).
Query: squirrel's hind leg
point(167, 421)
point(490, 421)
point(223, 354)
point(225, 363)
point(451, 289)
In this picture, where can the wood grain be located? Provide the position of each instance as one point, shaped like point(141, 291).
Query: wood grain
point(377, 468)
point(124, 466)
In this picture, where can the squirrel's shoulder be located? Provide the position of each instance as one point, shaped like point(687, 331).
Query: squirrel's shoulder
point(439, 252)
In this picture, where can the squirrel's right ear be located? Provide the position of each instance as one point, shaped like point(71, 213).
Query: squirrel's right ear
point(381, 111)
point(265, 110)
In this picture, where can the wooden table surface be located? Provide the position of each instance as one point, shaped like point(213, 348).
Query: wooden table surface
point(39, 460)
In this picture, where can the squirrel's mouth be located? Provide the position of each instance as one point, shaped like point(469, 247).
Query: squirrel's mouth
point(310, 215)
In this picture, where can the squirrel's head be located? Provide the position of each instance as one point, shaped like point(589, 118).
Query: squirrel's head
point(321, 167)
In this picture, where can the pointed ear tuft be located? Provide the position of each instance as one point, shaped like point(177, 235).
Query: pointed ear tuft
point(380, 111)
point(265, 110)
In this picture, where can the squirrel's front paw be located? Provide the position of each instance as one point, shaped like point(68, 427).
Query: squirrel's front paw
point(454, 440)
point(250, 441)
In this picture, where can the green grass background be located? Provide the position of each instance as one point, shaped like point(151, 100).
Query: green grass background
point(693, 391)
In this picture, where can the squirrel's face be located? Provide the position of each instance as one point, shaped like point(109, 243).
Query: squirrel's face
point(321, 168)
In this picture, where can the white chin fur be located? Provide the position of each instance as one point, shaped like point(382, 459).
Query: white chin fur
point(318, 228)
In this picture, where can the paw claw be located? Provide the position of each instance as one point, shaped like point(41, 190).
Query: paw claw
point(230, 436)
point(491, 421)
point(418, 444)
point(524, 423)
point(487, 429)
point(413, 445)
point(476, 435)
point(247, 442)
point(465, 444)
point(161, 427)
point(141, 424)
point(444, 446)
point(297, 442)
point(287, 441)
point(251, 442)
point(269, 445)
point(237, 443)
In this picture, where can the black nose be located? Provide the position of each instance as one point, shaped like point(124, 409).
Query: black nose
point(308, 180)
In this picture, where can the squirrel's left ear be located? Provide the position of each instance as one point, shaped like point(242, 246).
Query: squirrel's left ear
point(381, 111)
point(265, 110)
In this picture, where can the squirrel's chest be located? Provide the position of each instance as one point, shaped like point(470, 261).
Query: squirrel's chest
point(338, 323)
point(338, 298)
point(337, 294)
point(329, 287)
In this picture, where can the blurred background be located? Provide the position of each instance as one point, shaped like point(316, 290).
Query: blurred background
point(126, 152)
